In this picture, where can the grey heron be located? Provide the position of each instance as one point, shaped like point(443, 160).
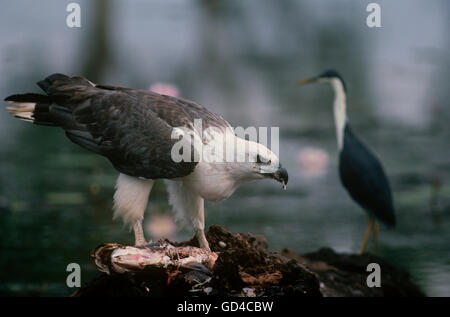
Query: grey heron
point(361, 173)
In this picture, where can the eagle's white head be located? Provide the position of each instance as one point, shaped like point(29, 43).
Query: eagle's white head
point(226, 161)
point(256, 161)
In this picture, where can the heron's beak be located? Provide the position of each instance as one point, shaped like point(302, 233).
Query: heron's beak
point(281, 175)
point(306, 81)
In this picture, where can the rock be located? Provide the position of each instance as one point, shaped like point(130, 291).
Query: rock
point(246, 267)
point(346, 274)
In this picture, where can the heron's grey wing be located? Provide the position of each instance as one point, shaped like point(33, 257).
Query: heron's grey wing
point(364, 178)
point(132, 128)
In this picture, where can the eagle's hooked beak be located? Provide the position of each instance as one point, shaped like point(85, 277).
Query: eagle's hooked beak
point(282, 176)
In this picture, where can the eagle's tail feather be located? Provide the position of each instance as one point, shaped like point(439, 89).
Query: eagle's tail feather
point(26, 106)
point(64, 105)
point(45, 109)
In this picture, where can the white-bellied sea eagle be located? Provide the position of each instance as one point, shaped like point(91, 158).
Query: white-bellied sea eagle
point(134, 129)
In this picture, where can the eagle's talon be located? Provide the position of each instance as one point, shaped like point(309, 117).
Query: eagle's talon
point(202, 242)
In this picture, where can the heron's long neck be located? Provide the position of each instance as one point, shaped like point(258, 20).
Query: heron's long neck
point(339, 108)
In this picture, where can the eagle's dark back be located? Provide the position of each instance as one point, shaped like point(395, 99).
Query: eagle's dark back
point(131, 127)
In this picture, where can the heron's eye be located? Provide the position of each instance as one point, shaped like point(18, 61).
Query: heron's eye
point(259, 160)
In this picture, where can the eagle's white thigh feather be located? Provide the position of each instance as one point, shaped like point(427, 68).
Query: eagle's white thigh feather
point(186, 203)
point(174, 189)
point(131, 198)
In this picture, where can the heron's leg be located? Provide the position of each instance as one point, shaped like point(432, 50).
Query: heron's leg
point(375, 238)
point(366, 236)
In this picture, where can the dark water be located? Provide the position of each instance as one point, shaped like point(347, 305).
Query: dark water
point(242, 61)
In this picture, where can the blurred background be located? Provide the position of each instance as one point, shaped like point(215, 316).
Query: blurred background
point(240, 59)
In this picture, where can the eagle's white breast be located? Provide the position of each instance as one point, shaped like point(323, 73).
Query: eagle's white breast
point(212, 178)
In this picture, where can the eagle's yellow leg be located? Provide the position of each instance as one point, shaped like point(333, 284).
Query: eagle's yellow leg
point(139, 233)
point(366, 236)
point(201, 238)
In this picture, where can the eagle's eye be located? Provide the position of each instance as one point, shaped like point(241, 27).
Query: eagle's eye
point(261, 161)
